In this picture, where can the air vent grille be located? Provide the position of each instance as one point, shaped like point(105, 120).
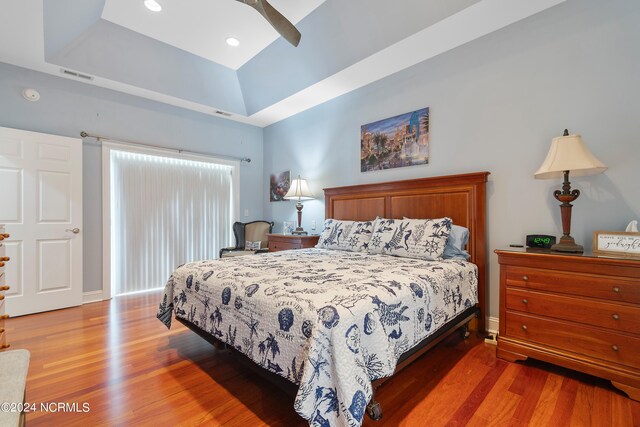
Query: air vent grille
point(75, 74)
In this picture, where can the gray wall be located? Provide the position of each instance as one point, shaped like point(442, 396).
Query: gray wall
point(496, 103)
point(67, 107)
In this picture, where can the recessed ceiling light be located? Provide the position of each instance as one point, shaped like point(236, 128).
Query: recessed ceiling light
point(153, 5)
point(232, 41)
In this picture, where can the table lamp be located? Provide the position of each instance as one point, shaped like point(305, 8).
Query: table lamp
point(299, 191)
point(568, 154)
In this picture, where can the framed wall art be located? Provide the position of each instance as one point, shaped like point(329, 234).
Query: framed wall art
point(279, 185)
point(395, 142)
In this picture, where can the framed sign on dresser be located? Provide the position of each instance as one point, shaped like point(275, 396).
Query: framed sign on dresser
point(580, 311)
point(3, 287)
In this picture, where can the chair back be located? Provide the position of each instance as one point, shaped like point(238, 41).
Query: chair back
point(252, 231)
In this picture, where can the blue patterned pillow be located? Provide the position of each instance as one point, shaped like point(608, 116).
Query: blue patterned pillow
point(345, 235)
point(456, 242)
point(410, 238)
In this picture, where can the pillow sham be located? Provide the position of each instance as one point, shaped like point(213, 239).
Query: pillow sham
point(410, 238)
point(457, 240)
point(252, 246)
point(350, 236)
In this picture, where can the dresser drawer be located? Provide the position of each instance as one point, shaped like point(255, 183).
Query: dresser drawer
point(275, 246)
point(3, 334)
point(588, 285)
point(584, 340)
point(614, 316)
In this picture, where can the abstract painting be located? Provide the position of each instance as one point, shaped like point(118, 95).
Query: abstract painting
point(279, 185)
point(395, 142)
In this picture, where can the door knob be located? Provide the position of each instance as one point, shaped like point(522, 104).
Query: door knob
point(73, 230)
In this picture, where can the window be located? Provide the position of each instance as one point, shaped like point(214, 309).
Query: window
point(166, 211)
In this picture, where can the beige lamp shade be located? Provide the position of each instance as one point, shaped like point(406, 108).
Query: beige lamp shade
point(568, 153)
point(299, 190)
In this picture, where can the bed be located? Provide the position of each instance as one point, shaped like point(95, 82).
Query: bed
point(336, 323)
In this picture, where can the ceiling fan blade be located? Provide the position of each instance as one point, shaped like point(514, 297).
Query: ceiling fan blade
point(281, 24)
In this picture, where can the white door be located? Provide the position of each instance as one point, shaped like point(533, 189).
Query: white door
point(41, 207)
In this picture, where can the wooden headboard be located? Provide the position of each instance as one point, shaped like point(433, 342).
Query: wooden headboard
point(459, 197)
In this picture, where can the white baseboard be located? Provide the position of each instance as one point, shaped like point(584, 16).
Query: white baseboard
point(492, 325)
point(92, 296)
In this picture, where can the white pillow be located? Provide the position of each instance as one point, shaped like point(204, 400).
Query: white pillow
point(410, 238)
point(252, 246)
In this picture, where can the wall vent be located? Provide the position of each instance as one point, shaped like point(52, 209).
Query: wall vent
point(75, 74)
point(222, 113)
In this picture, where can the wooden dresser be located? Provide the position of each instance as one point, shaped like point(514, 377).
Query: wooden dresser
point(283, 242)
point(578, 311)
point(3, 287)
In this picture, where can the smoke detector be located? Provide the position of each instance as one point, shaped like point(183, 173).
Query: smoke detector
point(31, 94)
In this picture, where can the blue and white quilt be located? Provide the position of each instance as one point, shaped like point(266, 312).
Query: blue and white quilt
point(329, 321)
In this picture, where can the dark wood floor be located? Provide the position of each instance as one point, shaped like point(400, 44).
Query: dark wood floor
point(119, 359)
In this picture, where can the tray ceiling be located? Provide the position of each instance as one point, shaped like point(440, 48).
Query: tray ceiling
point(179, 56)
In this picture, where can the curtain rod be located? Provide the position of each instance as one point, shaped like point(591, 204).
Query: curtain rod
point(99, 138)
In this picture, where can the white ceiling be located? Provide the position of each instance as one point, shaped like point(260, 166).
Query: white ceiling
point(202, 26)
point(21, 22)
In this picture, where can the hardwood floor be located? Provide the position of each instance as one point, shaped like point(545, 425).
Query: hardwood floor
point(130, 370)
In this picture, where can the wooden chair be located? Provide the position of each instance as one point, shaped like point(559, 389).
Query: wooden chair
point(254, 231)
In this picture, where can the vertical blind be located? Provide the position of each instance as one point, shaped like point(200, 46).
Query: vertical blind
point(165, 212)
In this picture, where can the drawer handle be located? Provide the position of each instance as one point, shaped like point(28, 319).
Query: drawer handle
point(615, 347)
point(5, 346)
point(525, 278)
point(525, 301)
point(615, 316)
point(616, 289)
point(5, 288)
point(5, 258)
point(524, 327)
point(1, 264)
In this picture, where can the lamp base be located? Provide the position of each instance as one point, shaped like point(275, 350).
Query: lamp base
point(567, 244)
point(299, 232)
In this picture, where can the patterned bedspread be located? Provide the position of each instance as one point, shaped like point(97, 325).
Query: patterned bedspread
point(330, 321)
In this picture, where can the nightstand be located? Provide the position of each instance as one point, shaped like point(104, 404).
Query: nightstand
point(283, 242)
point(3, 287)
point(579, 311)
